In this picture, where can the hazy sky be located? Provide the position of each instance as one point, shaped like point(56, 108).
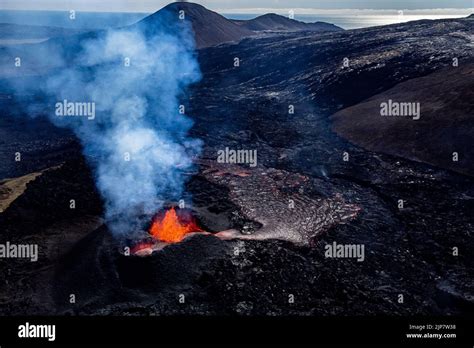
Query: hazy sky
point(226, 5)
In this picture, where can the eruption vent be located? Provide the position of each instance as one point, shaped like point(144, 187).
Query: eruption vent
point(172, 228)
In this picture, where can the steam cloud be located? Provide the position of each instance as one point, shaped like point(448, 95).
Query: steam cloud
point(137, 113)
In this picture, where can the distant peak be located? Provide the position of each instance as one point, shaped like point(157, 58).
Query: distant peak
point(184, 4)
point(190, 7)
point(270, 15)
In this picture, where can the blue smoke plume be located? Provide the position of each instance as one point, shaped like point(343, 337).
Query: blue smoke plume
point(137, 142)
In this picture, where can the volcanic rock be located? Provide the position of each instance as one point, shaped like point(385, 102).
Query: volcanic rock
point(281, 208)
point(445, 127)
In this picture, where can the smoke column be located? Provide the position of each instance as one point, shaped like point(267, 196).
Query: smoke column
point(137, 143)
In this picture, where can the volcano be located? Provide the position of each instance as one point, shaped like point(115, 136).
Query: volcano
point(211, 29)
point(271, 223)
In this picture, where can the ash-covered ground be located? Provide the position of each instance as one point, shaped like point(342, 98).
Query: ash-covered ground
point(279, 267)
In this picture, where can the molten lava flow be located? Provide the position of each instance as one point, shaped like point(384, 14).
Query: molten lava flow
point(142, 249)
point(171, 229)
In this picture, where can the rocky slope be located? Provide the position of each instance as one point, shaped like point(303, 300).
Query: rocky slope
point(446, 123)
point(210, 28)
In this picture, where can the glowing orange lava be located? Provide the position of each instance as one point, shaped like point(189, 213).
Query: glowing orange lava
point(171, 229)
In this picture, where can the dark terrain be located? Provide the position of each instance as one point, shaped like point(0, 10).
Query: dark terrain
point(408, 251)
point(446, 125)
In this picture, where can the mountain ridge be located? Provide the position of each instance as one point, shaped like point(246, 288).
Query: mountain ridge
point(273, 21)
point(211, 28)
